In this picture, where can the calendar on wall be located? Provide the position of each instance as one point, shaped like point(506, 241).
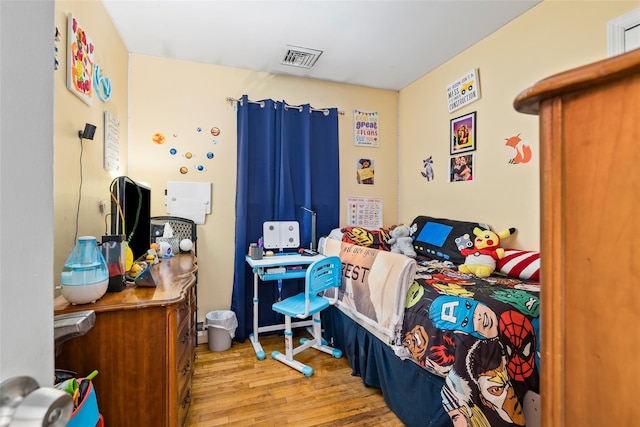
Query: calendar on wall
point(111, 142)
point(364, 212)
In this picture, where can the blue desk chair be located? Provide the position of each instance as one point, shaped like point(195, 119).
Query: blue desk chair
point(321, 275)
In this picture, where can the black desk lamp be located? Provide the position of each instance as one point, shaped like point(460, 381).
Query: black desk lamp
point(312, 245)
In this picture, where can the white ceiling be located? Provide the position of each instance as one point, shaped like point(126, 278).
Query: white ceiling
point(379, 44)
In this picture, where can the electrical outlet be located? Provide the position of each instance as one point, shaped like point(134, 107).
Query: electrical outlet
point(102, 206)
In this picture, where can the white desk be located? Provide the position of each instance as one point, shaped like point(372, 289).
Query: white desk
point(260, 267)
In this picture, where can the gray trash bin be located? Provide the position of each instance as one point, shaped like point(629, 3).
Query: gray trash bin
point(221, 328)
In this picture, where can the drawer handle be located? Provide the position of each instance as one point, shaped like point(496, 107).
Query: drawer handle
point(187, 399)
point(186, 368)
point(185, 337)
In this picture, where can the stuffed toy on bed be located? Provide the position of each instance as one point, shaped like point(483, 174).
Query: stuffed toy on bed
point(401, 241)
point(481, 258)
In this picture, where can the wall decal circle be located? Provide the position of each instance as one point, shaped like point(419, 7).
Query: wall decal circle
point(158, 138)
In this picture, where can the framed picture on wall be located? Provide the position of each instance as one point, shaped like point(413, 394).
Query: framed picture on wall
point(365, 171)
point(461, 168)
point(463, 134)
point(80, 61)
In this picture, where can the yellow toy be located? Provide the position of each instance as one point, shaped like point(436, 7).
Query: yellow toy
point(481, 259)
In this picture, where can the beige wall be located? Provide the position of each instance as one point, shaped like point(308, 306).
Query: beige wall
point(70, 116)
point(551, 37)
point(175, 98)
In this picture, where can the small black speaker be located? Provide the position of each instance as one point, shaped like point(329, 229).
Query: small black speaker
point(88, 132)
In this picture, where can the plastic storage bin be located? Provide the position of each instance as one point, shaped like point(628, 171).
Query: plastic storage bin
point(221, 328)
point(86, 414)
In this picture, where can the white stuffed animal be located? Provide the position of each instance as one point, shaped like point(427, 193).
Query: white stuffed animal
point(401, 241)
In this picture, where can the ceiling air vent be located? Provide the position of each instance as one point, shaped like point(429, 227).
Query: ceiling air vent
point(295, 56)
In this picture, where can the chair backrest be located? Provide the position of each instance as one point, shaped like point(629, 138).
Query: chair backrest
point(323, 274)
point(183, 228)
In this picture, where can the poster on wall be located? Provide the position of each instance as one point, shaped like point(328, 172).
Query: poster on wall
point(364, 212)
point(365, 171)
point(80, 61)
point(365, 128)
point(463, 91)
point(111, 142)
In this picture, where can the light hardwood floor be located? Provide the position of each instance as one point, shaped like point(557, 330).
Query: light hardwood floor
point(233, 387)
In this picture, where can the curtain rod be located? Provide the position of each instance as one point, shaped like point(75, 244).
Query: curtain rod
point(297, 107)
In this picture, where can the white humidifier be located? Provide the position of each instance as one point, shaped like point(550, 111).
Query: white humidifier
point(85, 276)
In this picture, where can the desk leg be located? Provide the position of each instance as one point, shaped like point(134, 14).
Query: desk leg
point(260, 354)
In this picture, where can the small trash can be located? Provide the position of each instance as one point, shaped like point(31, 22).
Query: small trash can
point(221, 328)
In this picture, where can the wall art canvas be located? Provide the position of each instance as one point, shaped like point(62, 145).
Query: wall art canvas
point(366, 130)
point(80, 61)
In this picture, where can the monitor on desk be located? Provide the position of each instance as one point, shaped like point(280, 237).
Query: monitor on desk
point(281, 234)
point(131, 213)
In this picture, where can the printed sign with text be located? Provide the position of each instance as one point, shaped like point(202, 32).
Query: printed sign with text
point(463, 91)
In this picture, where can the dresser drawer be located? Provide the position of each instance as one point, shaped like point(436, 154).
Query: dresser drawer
point(185, 349)
point(185, 341)
point(185, 308)
point(183, 407)
point(184, 377)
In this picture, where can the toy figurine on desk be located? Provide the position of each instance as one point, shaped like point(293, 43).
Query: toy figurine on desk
point(152, 255)
point(166, 251)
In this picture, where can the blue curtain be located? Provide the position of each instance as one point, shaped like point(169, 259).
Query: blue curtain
point(287, 159)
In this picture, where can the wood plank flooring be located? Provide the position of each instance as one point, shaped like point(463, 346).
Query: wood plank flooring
point(233, 387)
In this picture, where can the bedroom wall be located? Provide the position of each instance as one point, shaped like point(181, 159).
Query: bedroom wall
point(176, 98)
point(552, 37)
point(70, 116)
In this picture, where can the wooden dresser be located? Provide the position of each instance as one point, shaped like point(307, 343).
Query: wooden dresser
point(590, 217)
point(143, 345)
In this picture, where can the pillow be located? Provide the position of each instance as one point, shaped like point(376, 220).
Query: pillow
point(436, 237)
point(336, 233)
point(376, 239)
point(520, 264)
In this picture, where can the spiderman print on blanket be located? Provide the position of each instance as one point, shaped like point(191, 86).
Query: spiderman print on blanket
point(481, 335)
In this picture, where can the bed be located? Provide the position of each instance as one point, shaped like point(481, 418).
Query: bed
point(445, 348)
